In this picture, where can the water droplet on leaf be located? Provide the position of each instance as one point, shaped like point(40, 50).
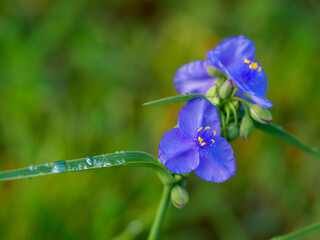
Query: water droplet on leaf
point(90, 161)
point(59, 166)
point(32, 168)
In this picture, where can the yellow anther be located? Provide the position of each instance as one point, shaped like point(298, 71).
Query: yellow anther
point(207, 128)
point(200, 129)
point(212, 140)
point(200, 139)
point(259, 69)
point(253, 65)
point(246, 61)
point(202, 144)
point(214, 132)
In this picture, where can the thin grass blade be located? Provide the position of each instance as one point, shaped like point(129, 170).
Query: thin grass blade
point(279, 132)
point(178, 98)
point(118, 159)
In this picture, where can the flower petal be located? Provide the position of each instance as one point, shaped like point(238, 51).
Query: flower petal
point(231, 50)
point(217, 163)
point(262, 101)
point(255, 85)
point(198, 112)
point(178, 153)
point(193, 77)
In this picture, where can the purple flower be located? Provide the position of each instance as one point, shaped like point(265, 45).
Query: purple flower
point(196, 145)
point(193, 77)
point(234, 56)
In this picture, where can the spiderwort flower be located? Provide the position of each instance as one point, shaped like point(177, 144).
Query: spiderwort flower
point(196, 145)
point(234, 57)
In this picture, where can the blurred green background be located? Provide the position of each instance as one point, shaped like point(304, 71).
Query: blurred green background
point(73, 76)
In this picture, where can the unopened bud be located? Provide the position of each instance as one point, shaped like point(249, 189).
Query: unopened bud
point(260, 114)
point(246, 127)
point(233, 131)
point(226, 89)
point(212, 91)
point(216, 100)
point(214, 72)
point(179, 196)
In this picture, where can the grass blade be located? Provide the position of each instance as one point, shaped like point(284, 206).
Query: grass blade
point(118, 159)
point(279, 132)
point(178, 98)
point(299, 233)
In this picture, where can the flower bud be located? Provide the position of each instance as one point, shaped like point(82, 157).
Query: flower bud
point(226, 89)
point(214, 72)
point(179, 196)
point(212, 91)
point(260, 114)
point(233, 131)
point(246, 127)
point(216, 100)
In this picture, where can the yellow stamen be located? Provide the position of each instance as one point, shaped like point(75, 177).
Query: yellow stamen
point(207, 128)
point(246, 61)
point(259, 69)
point(200, 129)
point(200, 139)
point(202, 144)
point(253, 65)
point(212, 140)
point(214, 132)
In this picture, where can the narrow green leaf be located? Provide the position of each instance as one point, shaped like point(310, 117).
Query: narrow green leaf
point(299, 233)
point(279, 132)
point(118, 159)
point(178, 98)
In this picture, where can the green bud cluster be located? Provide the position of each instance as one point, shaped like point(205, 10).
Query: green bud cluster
point(235, 120)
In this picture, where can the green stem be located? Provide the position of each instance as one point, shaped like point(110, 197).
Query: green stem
point(234, 112)
point(227, 115)
point(299, 233)
point(161, 212)
point(223, 129)
point(244, 102)
point(234, 92)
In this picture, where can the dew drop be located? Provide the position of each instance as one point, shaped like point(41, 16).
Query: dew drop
point(107, 164)
point(32, 168)
point(90, 161)
point(47, 165)
point(81, 166)
point(123, 161)
point(100, 163)
point(59, 166)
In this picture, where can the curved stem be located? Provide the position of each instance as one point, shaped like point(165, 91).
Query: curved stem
point(161, 212)
point(244, 102)
point(222, 120)
point(235, 115)
point(299, 233)
point(227, 115)
point(234, 91)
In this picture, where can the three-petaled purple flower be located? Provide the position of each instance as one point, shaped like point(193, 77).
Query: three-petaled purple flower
point(196, 145)
point(234, 57)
